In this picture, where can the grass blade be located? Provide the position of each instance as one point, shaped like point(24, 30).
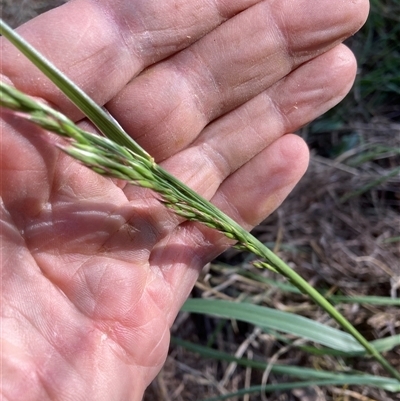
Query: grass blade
point(292, 371)
point(286, 322)
point(381, 345)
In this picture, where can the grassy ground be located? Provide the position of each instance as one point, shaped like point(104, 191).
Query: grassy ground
point(340, 228)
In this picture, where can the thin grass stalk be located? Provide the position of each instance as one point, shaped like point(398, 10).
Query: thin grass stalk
point(119, 157)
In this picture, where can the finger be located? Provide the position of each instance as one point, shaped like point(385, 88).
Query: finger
point(237, 137)
point(167, 106)
point(102, 44)
point(264, 182)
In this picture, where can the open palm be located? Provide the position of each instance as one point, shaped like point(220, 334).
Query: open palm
point(94, 271)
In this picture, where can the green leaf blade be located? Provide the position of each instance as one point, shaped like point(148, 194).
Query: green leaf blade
point(277, 320)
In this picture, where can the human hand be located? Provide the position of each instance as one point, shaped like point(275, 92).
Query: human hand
point(94, 271)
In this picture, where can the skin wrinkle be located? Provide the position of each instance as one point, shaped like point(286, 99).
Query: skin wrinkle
point(12, 364)
point(276, 107)
point(161, 222)
point(246, 125)
point(199, 239)
point(124, 345)
point(195, 87)
point(257, 134)
point(37, 254)
point(20, 243)
point(216, 6)
point(108, 64)
point(78, 276)
point(109, 326)
point(264, 17)
point(162, 251)
point(19, 316)
point(126, 228)
point(327, 33)
point(44, 385)
point(130, 307)
point(286, 127)
point(48, 90)
point(164, 122)
point(256, 82)
point(204, 244)
point(64, 193)
point(277, 185)
point(216, 159)
point(165, 335)
point(95, 289)
point(202, 158)
point(128, 48)
point(52, 183)
point(281, 30)
point(42, 200)
point(43, 374)
point(197, 249)
point(53, 387)
point(224, 202)
point(112, 59)
point(35, 229)
point(270, 54)
point(151, 36)
point(77, 44)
